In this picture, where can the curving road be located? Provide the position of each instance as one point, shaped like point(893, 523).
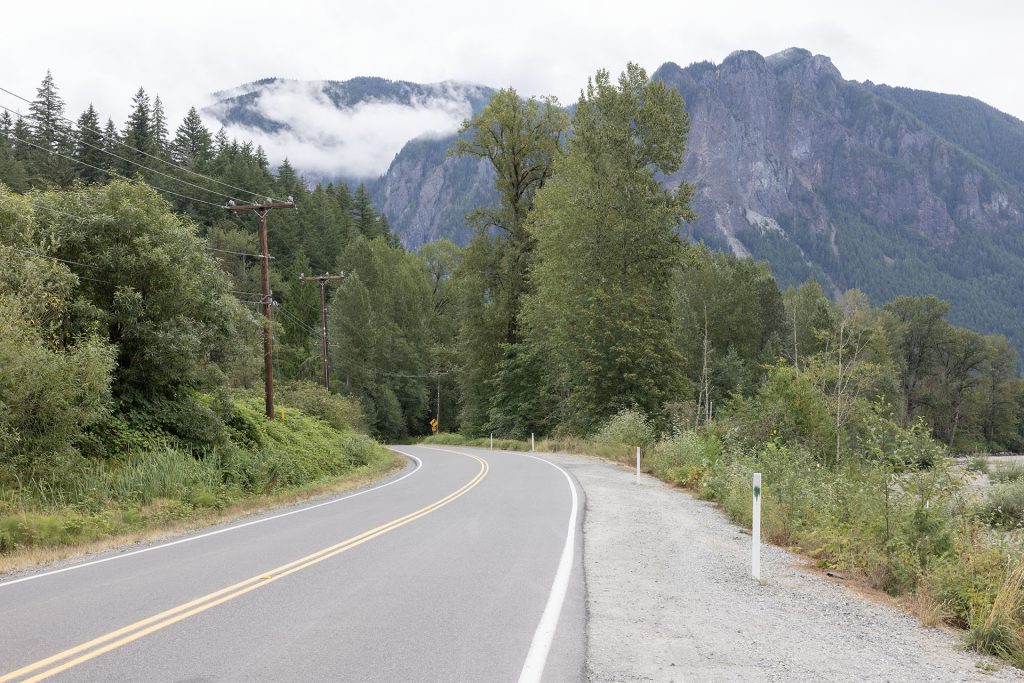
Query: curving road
point(465, 566)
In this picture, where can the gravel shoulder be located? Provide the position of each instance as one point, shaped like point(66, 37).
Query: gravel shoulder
point(670, 598)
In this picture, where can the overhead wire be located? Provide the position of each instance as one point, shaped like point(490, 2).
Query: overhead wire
point(258, 195)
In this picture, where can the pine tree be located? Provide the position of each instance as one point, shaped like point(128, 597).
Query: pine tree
point(6, 127)
point(159, 126)
point(46, 116)
point(288, 182)
point(89, 147)
point(50, 132)
point(192, 145)
point(138, 134)
point(364, 214)
point(111, 138)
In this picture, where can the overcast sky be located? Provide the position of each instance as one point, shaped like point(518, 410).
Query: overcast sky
point(101, 52)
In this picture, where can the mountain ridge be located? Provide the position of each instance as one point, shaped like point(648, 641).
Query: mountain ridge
point(884, 188)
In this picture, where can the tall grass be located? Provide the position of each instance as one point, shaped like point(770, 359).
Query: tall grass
point(95, 498)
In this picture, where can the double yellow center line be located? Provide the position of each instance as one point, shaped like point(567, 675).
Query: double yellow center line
point(62, 661)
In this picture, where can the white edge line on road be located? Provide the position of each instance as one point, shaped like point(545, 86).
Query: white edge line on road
point(543, 637)
point(187, 539)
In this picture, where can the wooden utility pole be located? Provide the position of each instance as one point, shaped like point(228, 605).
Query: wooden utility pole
point(438, 374)
point(262, 209)
point(323, 280)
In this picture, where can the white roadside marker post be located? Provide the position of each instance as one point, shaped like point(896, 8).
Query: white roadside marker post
point(531, 442)
point(638, 464)
point(755, 532)
point(492, 441)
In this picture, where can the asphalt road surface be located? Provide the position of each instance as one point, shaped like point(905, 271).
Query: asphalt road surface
point(465, 566)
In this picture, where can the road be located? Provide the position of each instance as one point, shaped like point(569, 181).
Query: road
point(465, 566)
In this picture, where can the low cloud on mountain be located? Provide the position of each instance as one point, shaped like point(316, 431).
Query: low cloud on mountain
point(358, 141)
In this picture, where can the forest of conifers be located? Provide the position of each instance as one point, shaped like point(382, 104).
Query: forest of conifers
point(130, 293)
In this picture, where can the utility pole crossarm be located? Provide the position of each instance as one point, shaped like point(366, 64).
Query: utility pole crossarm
point(264, 206)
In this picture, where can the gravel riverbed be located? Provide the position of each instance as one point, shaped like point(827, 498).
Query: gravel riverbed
point(670, 598)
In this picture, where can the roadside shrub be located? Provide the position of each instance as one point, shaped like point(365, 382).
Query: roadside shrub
point(685, 458)
point(629, 427)
point(341, 412)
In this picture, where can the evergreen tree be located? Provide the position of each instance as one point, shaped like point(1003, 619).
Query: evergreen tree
point(46, 117)
point(6, 127)
point(89, 147)
point(50, 132)
point(12, 171)
point(288, 184)
point(159, 125)
point(111, 138)
point(192, 146)
point(364, 214)
point(138, 134)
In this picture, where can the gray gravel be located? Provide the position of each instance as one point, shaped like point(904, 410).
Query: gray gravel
point(670, 598)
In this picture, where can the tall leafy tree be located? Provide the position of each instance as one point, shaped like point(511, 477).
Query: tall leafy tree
point(602, 313)
point(520, 138)
point(920, 337)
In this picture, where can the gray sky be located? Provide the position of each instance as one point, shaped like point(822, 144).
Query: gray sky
point(102, 52)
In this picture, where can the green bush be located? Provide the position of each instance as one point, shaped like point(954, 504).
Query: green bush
point(341, 412)
point(629, 427)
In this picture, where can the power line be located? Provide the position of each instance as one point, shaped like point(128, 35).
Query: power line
point(98, 148)
point(54, 258)
point(297, 321)
point(237, 253)
point(124, 144)
point(114, 173)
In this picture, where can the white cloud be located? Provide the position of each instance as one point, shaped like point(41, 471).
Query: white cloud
point(359, 141)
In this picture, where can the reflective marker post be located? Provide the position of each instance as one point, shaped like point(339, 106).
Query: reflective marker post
point(492, 441)
point(531, 441)
point(638, 464)
point(755, 532)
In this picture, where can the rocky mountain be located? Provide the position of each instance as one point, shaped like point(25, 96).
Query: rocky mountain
point(887, 189)
point(890, 190)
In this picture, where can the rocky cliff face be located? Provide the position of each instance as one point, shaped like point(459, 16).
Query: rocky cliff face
point(890, 190)
point(783, 148)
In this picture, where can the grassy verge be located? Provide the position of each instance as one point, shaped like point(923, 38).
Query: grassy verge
point(166, 489)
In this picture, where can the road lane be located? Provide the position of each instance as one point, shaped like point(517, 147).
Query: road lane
point(453, 594)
